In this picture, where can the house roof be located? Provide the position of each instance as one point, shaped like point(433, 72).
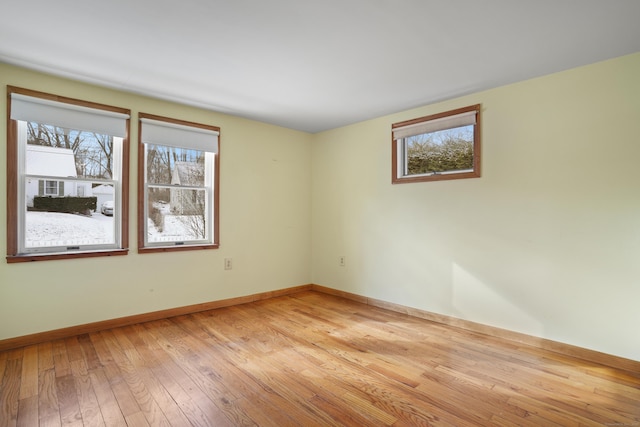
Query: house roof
point(314, 65)
point(50, 161)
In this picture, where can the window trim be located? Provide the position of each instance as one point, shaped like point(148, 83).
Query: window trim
point(142, 214)
point(45, 187)
point(397, 156)
point(13, 181)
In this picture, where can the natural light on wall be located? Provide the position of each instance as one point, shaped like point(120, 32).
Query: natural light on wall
point(475, 299)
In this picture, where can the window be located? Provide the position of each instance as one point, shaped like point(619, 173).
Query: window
point(51, 188)
point(437, 147)
point(65, 159)
point(178, 182)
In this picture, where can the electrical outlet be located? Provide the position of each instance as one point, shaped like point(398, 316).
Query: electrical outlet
point(341, 261)
point(228, 263)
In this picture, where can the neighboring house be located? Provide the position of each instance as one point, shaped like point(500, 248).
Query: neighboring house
point(103, 193)
point(49, 166)
point(186, 201)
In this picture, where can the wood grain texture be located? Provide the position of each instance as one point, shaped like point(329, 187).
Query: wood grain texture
point(558, 347)
point(555, 346)
point(309, 359)
point(72, 331)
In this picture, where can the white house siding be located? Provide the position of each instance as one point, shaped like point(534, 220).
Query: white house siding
point(103, 193)
point(52, 162)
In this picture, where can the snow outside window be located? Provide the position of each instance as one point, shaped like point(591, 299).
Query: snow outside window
point(67, 164)
point(178, 184)
point(437, 147)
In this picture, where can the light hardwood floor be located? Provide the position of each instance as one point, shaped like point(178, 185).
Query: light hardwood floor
point(307, 359)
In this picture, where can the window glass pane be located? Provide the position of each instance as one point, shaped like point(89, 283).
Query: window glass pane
point(70, 219)
point(51, 188)
point(55, 151)
point(175, 166)
point(442, 151)
point(176, 215)
point(63, 208)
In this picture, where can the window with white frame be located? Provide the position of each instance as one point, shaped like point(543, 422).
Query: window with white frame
point(437, 147)
point(51, 188)
point(178, 184)
point(66, 157)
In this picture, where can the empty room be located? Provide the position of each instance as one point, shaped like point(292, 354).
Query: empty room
point(284, 213)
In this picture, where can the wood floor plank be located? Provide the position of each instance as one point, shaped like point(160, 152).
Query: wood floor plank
point(51, 421)
point(292, 396)
point(28, 411)
point(60, 358)
point(143, 362)
point(29, 377)
point(48, 405)
point(132, 380)
point(89, 405)
point(45, 356)
point(356, 356)
point(74, 350)
point(89, 352)
point(198, 364)
point(115, 378)
point(194, 402)
point(109, 408)
point(137, 419)
point(307, 359)
point(68, 401)
point(3, 365)
point(10, 392)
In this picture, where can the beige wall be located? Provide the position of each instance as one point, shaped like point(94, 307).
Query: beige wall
point(264, 221)
point(546, 242)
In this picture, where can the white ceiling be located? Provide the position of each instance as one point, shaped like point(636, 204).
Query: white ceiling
point(313, 65)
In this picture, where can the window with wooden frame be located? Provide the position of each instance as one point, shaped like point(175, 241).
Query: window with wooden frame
point(437, 147)
point(65, 158)
point(178, 184)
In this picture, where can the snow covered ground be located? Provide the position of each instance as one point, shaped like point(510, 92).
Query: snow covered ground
point(46, 229)
point(62, 229)
point(175, 227)
point(175, 230)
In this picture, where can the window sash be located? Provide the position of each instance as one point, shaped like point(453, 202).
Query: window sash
point(207, 188)
point(76, 246)
point(403, 156)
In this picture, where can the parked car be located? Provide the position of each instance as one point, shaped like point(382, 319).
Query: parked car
point(107, 208)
